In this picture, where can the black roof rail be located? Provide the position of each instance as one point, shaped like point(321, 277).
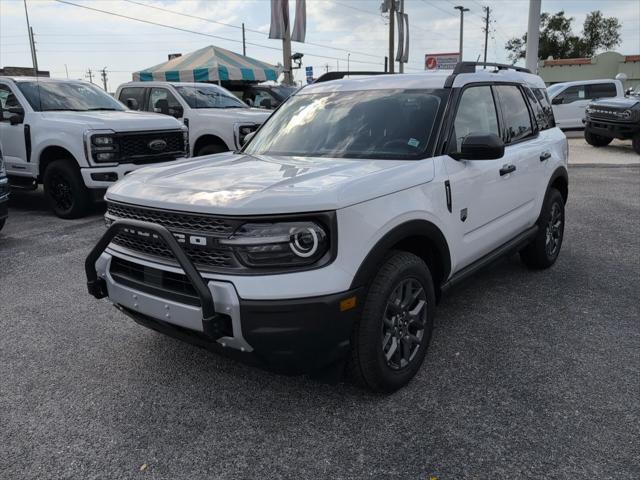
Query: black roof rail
point(326, 77)
point(470, 67)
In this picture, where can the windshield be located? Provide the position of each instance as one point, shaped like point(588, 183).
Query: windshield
point(389, 124)
point(49, 96)
point(209, 97)
point(553, 89)
point(282, 92)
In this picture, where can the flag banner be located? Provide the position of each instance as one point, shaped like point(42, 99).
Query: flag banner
point(400, 22)
point(405, 52)
point(279, 18)
point(300, 23)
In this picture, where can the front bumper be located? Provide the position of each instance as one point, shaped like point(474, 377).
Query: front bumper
point(612, 129)
point(288, 336)
point(104, 177)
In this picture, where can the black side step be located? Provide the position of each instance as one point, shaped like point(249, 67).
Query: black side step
point(508, 248)
point(22, 183)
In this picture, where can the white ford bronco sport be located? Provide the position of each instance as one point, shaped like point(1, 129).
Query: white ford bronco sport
point(218, 121)
point(332, 234)
point(76, 140)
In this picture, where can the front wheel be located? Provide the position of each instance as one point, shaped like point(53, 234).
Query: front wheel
point(211, 149)
point(390, 341)
point(65, 190)
point(543, 251)
point(596, 140)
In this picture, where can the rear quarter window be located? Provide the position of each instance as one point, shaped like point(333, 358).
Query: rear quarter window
point(541, 105)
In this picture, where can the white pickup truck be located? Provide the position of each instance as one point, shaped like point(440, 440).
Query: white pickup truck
point(76, 140)
point(218, 121)
point(570, 99)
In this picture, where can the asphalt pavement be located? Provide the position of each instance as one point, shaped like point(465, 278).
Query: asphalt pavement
point(529, 374)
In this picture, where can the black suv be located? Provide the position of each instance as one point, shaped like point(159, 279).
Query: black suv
point(611, 118)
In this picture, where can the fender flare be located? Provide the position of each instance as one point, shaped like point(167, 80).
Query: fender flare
point(560, 172)
point(412, 228)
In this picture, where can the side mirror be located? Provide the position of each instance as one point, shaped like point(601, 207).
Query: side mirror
point(132, 103)
point(557, 101)
point(480, 146)
point(247, 137)
point(249, 102)
point(16, 115)
point(176, 111)
point(266, 103)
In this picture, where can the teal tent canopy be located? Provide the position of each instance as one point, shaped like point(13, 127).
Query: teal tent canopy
point(209, 64)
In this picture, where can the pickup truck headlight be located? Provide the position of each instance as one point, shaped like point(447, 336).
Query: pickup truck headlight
point(242, 131)
point(103, 147)
point(279, 244)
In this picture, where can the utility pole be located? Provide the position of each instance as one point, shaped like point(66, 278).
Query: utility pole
point(348, 59)
point(487, 11)
point(32, 43)
point(462, 10)
point(533, 36)
point(286, 52)
point(392, 21)
point(66, 69)
point(244, 42)
point(89, 75)
point(400, 63)
point(104, 78)
point(326, 68)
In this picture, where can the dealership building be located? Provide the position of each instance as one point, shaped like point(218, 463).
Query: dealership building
point(604, 65)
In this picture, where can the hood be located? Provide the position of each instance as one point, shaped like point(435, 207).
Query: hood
point(250, 115)
point(616, 102)
point(239, 184)
point(119, 121)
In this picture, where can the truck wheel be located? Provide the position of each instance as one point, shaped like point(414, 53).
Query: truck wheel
point(390, 341)
point(636, 143)
point(65, 190)
point(543, 251)
point(596, 140)
point(210, 149)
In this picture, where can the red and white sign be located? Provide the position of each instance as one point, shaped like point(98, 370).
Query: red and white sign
point(441, 61)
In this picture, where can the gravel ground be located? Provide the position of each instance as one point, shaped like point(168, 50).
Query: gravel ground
point(529, 375)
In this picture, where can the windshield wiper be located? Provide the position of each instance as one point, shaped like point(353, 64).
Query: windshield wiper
point(62, 110)
point(101, 108)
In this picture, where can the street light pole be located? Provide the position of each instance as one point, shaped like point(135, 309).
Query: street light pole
point(462, 10)
point(533, 36)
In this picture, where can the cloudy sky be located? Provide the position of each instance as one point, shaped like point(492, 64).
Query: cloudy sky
point(81, 39)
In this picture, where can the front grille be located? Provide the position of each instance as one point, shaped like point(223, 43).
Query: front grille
point(217, 257)
point(607, 113)
point(135, 146)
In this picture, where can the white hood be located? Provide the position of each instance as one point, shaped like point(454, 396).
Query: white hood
point(249, 115)
point(239, 184)
point(119, 121)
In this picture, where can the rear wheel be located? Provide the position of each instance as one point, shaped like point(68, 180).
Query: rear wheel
point(390, 341)
point(596, 140)
point(636, 143)
point(65, 190)
point(543, 251)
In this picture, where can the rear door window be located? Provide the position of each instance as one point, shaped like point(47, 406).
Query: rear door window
point(515, 114)
point(600, 90)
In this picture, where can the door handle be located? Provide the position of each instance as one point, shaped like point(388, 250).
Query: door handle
point(507, 169)
point(545, 156)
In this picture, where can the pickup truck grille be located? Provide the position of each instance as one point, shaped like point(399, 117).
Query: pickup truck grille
point(215, 257)
point(137, 146)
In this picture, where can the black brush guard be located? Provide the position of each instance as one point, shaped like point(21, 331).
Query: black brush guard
point(212, 323)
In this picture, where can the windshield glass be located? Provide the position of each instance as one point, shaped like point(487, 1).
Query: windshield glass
point(48, 96)
point(282, 92)
point(209, 97)
point(552, 89)
point(393, 124)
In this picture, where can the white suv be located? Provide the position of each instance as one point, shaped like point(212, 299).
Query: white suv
point(333, 233)
point(76, 140)
point(218, 121)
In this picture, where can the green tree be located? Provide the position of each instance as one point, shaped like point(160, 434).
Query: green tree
point(557, 39)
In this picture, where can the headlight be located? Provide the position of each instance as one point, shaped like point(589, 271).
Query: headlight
point(242, 131)
point(279, 244)
point(627, 114)
point(103, 147)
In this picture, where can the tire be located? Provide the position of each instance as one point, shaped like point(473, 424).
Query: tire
point(211, 149)
point(65, 190)
point(374, 335)
point(596, 140)
point(635, 142)
point(543, 251)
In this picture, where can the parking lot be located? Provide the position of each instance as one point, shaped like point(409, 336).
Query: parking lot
point(529, 374)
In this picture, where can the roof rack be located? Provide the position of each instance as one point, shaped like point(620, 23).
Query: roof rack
point(326, 77)
point(470, 67)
